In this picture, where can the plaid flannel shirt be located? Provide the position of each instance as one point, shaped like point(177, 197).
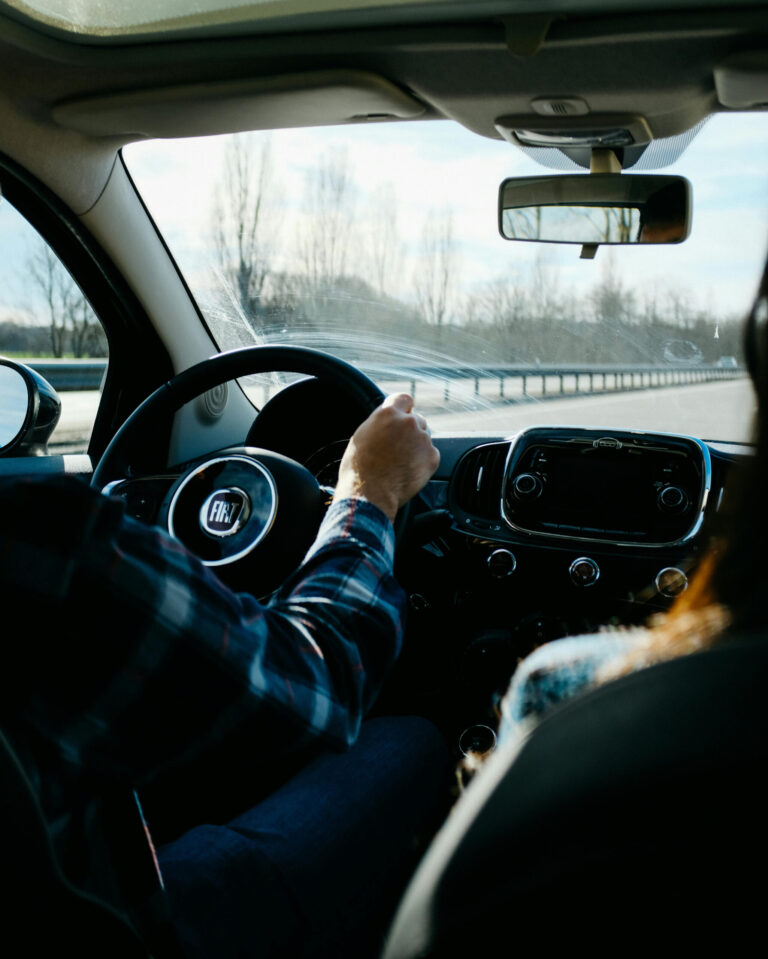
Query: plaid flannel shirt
point(135, 655)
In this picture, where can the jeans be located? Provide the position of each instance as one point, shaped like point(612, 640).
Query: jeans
point(316, 869)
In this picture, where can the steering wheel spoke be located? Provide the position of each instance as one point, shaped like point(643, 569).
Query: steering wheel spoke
point(143, 496)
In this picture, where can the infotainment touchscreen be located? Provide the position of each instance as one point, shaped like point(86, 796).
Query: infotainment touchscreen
point(621, 487)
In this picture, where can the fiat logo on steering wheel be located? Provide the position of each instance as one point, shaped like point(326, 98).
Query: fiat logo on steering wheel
point(225, 511)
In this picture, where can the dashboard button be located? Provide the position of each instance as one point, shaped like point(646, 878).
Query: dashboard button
point(584, 571)
point(672, 499)
point(478, 740)
point(671, 581)
point(527, 486)
point(501, 563)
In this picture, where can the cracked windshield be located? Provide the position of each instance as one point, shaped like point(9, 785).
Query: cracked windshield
point(380, 244)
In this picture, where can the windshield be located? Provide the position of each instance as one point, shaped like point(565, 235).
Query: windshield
point(379, 243)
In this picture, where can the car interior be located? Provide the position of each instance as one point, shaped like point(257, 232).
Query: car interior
point(630, 806)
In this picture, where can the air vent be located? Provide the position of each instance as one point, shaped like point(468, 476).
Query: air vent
point(477, 483)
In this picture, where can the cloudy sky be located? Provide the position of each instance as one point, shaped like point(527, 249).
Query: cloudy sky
point(431, 166)
point(439, 164)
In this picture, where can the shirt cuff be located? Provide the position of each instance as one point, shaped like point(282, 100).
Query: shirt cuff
point(357, 519)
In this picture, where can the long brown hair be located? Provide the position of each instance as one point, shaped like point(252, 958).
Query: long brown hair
point(740, 576)
point(729, 592)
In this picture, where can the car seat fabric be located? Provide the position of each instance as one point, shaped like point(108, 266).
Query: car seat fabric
point(636, 810)
point(42, 913)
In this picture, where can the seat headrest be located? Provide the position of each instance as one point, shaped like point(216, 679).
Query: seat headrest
point(648, 789)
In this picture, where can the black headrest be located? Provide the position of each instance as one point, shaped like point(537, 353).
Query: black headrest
point(644, 797)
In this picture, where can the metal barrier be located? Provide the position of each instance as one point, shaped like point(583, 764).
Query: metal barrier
point(542, 381)
point(530, 380)
point(64, 375)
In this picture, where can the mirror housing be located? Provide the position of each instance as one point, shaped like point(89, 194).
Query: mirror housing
point(595, 209)
point(29, 410)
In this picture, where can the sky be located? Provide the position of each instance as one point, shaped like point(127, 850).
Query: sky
point(438, 165)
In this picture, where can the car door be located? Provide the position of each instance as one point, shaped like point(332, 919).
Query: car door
point(66, 310)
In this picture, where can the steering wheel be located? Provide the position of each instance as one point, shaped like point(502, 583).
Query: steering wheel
point(251, 513)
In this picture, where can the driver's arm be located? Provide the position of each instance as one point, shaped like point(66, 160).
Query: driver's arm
point(140, 655)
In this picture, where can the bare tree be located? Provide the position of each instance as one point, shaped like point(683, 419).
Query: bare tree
point(86, 337)
point(523, 223)
point(546, 296)
point(245, 227)
point(324, 240)
point(436, 277)
point(45, 272)
point(384, 248)
point(72, 324)
point(601, 224)
point(611, 301)
point(499, 303)
point(620, 221)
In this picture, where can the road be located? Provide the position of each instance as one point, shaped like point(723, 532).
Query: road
point(709, 410)
point(720, 411)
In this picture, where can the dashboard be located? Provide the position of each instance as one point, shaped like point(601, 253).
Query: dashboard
point(519, 540)
point(516, 541)
point(556, 531)
point(552, 531)
point(593, 486)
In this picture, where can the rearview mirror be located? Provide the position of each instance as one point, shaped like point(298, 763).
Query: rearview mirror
point(597, 208)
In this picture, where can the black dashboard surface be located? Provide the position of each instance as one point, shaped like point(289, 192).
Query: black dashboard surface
point(604, 528)
point(484, 591)
point(609, 532)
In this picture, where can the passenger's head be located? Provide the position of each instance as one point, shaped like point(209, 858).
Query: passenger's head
point(740, 577)
point(728, 595)
point(663, 218)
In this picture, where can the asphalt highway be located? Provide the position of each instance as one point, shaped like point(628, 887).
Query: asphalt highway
point(716, 411)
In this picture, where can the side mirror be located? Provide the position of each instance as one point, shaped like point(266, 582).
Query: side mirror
point(596, 208)
point(29, 410)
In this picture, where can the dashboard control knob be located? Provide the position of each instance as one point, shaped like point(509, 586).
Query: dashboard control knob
point(478, 740)
point(672, 499)
point(501, 563)
point(671, 581)
point(584, 571)
point(527, 486)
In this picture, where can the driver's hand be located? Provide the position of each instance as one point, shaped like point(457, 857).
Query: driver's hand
point(390, 456)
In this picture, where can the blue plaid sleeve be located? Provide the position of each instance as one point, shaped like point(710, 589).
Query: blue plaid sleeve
point(140, 655)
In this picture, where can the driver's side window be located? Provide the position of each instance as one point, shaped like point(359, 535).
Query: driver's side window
point(47, 323)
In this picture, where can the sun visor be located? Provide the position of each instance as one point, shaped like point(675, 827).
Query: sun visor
point(742, 80)
point(291, 100)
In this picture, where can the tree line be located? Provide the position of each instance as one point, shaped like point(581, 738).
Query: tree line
point(329, 279)
point(64, 325)
point(339, 277)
